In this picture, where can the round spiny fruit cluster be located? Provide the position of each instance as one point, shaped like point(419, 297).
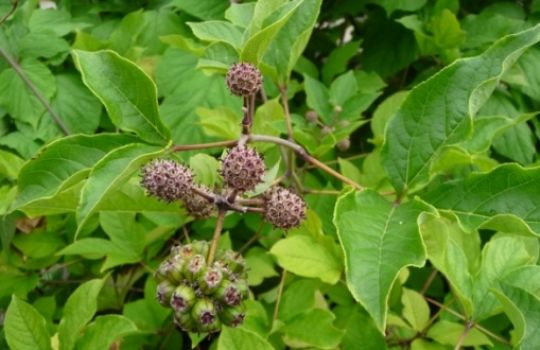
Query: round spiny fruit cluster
point(242, 168)
point(198, 206)
point(283, 208)
point(244, 79)
point(203, 297)
point(167, 180)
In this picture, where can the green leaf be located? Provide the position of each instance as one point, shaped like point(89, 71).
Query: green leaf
point(313, 328)
point(291, 40)
point(205, 168)
point(110, 173)
point(523, 309)
point(241, 338)
point(318, 97)
point(75, 104)
point(404, 5)
point(378, 240)
point(209, 9)
point(101, 333)
point(448, 333)
point(62, 163)
point(305, 256)
point(240, 14)
point(343, 88)
point(450, 98)
point(78, 311)
point(25, 328)
point(415, 309)
point(17, 99)
point(360, 331)
point(256, 46)
point(506, 199)
point(337, 60)
point(34, 45)
point(10, 164)
point(261, 266)
point(454, 253)
point(127, 93)
point(217, 31)
point(501, 255)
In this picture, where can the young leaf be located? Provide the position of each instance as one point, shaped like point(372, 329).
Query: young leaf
point(439, 111)
point(313, 328)
point(25, 328)
point(101, 333)
point(415, 309)
point(378, 240)
point(110, 173)
point(523, 309)
point(79, 309)
point(62, 163)
point(127, 93)
point(305, 256)
point(241, 338)
point(506, 199)
point(448, 333)
point(217, 31)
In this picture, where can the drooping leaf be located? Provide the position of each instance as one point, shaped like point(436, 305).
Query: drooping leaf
point(101, 333)
point(506, 199)
point(127, 93)
point(378, 240)
point(241, 338)
point(78, 311)
point(62, 163)
point(25, 327)
point(110, 173)
point(523, 309)
point(439, 111)
point(305, 256)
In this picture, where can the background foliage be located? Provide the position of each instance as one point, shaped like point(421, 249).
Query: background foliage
point(438, 99)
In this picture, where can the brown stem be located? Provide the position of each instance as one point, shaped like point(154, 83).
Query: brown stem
point(180, 148)
point(35, 91)
point(215, 237)
point(249, 111)
point(302, 153)
point(461, 317)
point(280, 292)
point(428, 282)
point(285, 104)
point(468, 326)
point(10, 12)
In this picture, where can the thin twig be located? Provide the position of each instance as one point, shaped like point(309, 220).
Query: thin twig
point(468, 326)
point(10, 12)
point(428, 282)
point(180, 148)
point(461, 317)
point(280, 292)
point(329, 192)
point(303, 153)
point(253, 238)
point(215, 237)
point(285, 104)
point(35, 91)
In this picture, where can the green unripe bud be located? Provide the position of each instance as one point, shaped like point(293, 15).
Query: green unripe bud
point(183, 251)
point(235, 262)
point(211, 280)
point(200, 247)
point(229, 294)
point(171, 269)
point(195, 267)
point(164, 292)
point(233, 316)
point(204, 313)
point(185, 322)
point(182, 299)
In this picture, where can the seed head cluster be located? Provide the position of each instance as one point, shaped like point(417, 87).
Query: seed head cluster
point(198, 206)
point(242, 168)
point(283, 208)
point(167, 180)
point(244, 79)
point(203, 297)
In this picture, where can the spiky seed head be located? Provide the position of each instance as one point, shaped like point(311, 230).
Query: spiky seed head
point(283, 208)
point(244, 79)
point(344, 144)
point(167, 180)
point(198, 206)
point(242, 168)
